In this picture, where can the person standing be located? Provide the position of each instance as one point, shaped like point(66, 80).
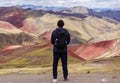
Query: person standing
point(60, 39)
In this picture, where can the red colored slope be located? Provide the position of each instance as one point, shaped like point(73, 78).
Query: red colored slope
point(29, 27)
point(6, 25)
point(92, 50)
point(46, 36)
point(13, 15)
point(22, 49)
point(87, 51)
point(11, 48)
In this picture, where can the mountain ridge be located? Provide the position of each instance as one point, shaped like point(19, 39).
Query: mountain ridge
point(36, 27)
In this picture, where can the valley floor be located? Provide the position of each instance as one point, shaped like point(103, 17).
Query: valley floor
point(47, 78)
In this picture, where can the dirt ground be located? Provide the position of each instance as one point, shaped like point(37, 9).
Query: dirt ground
point(47, 78)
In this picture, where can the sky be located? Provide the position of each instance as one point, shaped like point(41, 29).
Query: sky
point(65, 3)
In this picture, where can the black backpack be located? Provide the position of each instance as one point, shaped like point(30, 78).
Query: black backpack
point(61, 40)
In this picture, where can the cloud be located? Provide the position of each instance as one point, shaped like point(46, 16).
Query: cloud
point(105, 0)
point(61, 2)
point(68, 3)
point(81, 1)
point(108, 3)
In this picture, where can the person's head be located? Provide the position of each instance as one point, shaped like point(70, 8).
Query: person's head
point(60, 23)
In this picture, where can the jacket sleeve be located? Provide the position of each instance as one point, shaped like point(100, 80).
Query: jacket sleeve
point(68, 37)
point(53, 38)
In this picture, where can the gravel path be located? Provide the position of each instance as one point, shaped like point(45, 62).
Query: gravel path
point(47, 78)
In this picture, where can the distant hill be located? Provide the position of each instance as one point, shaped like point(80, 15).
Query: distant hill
point(80, 9)
point(11, 35)
point(105, 9)
point(112, 14)
point(16, 15)
point(86, 25)
point(35, 7)
point(108, 13)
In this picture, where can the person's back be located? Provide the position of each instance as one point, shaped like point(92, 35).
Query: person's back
point(54, 38)
point(59, 36)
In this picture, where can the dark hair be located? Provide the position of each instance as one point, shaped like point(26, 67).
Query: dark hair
point(60, 23)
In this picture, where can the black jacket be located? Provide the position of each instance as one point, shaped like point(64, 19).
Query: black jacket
point(54, 36)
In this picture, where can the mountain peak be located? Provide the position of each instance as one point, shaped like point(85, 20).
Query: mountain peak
point(77, 9)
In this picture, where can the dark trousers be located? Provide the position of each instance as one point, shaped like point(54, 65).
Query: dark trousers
point(56, 57)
